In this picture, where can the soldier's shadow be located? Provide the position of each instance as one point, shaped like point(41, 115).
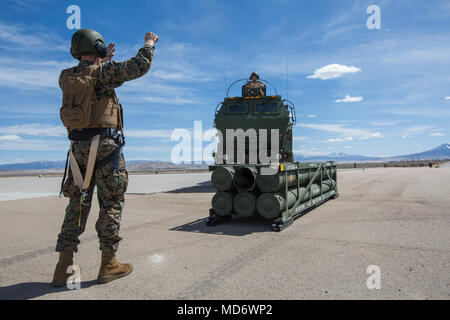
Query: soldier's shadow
point(30, 290)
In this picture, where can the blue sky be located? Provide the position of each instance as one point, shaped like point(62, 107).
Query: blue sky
point(384, 93)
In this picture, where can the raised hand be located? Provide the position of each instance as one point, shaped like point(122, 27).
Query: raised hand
point(151, 38)
point(111, 52)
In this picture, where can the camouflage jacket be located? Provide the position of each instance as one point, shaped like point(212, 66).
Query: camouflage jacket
point(253, 89)
point(113, 74)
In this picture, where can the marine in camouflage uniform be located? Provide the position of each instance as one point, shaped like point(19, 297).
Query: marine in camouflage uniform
point(111, 184)
point(110, 176)
point(254, 87)
point(111, 180)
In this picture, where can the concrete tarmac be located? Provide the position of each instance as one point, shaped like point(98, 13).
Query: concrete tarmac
point(14, 188)
point(396, 219)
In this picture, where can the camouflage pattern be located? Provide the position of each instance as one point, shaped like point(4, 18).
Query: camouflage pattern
point(113, 74)
point(112, 178)
point(111, 185)
point(253, 89)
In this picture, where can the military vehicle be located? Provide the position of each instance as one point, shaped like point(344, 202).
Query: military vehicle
point(243, 186)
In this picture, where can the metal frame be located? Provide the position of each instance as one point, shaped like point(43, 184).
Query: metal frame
point(302, 204)
point(245, 79)
point(291, 106)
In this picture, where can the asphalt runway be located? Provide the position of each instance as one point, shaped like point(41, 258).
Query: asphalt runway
point(15, 188)
point(396, 219)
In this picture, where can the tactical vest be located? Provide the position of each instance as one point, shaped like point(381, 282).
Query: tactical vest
point(80, 107)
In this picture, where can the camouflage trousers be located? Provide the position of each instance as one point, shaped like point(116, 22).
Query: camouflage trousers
point(111, 180)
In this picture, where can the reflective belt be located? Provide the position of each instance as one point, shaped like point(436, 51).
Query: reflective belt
point(83, 184)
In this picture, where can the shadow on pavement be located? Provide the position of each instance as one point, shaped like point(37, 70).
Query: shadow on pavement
point(202, 187)
point(30, 290)
point(235, 227)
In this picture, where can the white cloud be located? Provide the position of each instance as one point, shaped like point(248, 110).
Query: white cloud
point(170, 100)
point(141, 149)
point(354, 133)
point(340, 139)
point(12, 137)
point(183, 62)
point(146, 90)
point(300, 138)
point(31, 74)
point(375, 135)
point(34, 145)
point(162, 134)
point(333, 71)
point(23, 37)
point(384, 123)
point(447, 98)
point(311, 116)
point(425, 112)
point(34, 129)
point(179, 77)
point(309, 152)
point(437, 134)
point(419, 129)
point(349, 99)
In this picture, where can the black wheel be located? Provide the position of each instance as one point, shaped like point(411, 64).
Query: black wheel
point(212, 221)
point(277, 225)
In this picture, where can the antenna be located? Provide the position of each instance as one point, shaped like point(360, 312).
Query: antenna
point(226, 78)
point(287, 77)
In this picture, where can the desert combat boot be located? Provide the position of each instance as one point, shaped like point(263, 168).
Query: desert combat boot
point(111, 269)
point(65, 261)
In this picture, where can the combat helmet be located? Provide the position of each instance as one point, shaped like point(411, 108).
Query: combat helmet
point(254, 74)
point(88, 42)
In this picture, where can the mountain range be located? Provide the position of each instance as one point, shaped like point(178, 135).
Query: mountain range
point(439, 153)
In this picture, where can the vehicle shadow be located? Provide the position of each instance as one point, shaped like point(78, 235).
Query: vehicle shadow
point(30, 290)
point(236, 226)
point(202, 187)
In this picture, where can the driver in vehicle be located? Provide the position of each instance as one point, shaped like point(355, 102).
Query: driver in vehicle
point(254, 87)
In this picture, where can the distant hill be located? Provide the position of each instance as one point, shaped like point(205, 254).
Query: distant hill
point(335, 156)
point(132, 165)
point(35, 165)
point(439, 153)
point(161, 165)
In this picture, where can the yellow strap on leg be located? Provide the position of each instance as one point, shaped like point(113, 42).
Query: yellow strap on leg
point(79, 217)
